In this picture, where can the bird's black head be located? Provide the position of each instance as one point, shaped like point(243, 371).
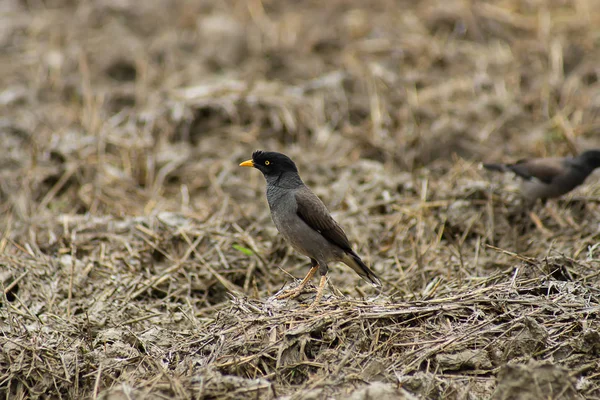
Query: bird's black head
point(590, 158)
point(270, 163)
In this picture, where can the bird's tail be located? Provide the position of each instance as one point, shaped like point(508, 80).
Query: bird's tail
point(353, 261)
point(495, 167)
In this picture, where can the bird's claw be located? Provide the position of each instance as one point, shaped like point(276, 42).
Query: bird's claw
point(289, 294)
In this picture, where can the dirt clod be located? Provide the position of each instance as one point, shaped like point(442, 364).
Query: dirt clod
point(534, 380)
point(468, 359)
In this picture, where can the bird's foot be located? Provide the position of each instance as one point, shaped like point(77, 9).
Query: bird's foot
point(319, 293)
point(295, 292)
point(291, 293)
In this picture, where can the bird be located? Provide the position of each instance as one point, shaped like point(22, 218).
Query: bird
point(545, 178)
point(305, 222)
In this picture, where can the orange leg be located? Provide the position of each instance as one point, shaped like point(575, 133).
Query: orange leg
point(319, 292)
point(539, 224)
point(290, 294)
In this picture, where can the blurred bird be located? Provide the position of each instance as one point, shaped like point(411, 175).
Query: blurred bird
point(545, 178)
point(304, 222)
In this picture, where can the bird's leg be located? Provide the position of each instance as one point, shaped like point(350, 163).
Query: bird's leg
point(319, 292)
point(290, 294)
point(539, 224)
point(559, 220)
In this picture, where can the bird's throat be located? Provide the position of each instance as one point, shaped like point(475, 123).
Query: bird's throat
point(285, 180)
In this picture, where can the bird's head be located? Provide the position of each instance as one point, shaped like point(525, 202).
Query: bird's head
point(270, 163)
point(590, 158)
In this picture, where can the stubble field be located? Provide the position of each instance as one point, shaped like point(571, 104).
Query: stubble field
point(137, 261)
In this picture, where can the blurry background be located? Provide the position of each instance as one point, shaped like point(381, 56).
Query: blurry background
point(122, 124)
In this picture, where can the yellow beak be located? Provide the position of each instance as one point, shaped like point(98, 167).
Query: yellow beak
point(248, 163)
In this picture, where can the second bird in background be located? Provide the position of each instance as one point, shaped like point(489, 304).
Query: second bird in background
point(545, 178)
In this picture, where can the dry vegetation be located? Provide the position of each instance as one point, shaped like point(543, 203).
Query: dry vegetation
point(138, 261)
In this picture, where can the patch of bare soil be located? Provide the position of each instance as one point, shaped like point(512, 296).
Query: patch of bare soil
point(138, 261)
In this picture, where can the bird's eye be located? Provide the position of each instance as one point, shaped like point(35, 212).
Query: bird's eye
point(267, 162)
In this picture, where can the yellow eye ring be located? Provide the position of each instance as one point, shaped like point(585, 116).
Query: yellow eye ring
point(267, 162)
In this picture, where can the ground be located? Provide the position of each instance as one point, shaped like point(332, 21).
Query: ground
point(137, 260)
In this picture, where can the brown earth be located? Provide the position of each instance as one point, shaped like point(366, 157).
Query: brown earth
point(138, 261)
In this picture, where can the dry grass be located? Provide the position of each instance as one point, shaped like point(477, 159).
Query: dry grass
point(138, 261)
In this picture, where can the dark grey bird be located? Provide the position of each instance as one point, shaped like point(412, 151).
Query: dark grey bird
point(304, 222)
point(545, 178)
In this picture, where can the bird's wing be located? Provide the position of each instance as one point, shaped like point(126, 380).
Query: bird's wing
point(542, 169)
point(314, 213)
